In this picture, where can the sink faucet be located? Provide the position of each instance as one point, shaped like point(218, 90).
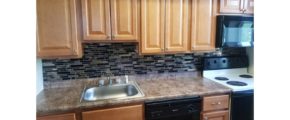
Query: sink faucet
point(102, 81)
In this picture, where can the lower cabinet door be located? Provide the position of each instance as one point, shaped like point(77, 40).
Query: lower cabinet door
point(70, 116)
point(216, 115)
point(134, 112)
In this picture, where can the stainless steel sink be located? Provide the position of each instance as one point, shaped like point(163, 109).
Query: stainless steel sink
point(119, 91)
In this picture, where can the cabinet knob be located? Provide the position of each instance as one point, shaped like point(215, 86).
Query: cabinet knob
point(166, 49)
point(205, 118)
point(74, 51)
point(217, 103)
point(113, 36)
point(108, 37)
point(244, 10)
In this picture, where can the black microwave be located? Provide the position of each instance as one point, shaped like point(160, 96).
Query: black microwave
point(234, 31)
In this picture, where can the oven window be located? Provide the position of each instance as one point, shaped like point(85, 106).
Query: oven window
point(238, 33)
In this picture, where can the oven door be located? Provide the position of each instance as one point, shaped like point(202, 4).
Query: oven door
point(242, 105)
point(234, 31)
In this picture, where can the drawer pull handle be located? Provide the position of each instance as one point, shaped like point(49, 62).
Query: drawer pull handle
point(217, 103)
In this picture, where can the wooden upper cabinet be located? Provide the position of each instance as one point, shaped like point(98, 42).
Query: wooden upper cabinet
point(133, 112)
point(96, 19)
point(188, 25)
point(249, 6)
point(217, 115)
point(70, 116)
point(105, 20)
point(152, 26)
point(203, 25)
point(177, 25)
point(58, 29)
point(125, 19)
point(237, 6)
point(231, 6)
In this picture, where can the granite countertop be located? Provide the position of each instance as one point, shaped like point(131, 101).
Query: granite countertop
point(154, 86)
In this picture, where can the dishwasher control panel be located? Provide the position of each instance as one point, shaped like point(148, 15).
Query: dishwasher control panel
point(167, 109)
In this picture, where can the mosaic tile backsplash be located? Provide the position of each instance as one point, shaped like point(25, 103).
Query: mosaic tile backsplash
point(118, 59)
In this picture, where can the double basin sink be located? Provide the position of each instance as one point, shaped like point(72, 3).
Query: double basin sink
point(117, 91)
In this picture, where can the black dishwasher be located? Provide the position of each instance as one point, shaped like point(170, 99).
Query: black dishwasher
point(174, 109)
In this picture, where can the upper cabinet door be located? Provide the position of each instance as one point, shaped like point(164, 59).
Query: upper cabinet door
point(152, 26)
point(96, 19)
point(177, 28)
point(249, 7)
point(125, 19)
point(58, 29)
point(231, 6)
point(203, 25)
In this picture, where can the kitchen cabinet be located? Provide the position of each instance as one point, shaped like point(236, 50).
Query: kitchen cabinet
point(110, 20)
point(237, 6)
point(176, 26)
point(125, 19)
point(217, 115)
point(152, 26)
point(204, 25)
point(177, 29)
point(58, 29)
point(69, 116)
point(249, 7)
point(165, 26)
point(132, 112)
point(215, 107)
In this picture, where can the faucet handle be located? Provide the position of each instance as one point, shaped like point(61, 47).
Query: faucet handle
point(126, 79)
point(101, 82)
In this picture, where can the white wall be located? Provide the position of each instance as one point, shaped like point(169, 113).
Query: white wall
point(250, 53)
point(39, 77)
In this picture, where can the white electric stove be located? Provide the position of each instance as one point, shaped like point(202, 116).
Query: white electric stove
point(229, 71)
point(237, 79)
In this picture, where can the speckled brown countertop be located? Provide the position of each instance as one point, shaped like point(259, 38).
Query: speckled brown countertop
point(155, 86)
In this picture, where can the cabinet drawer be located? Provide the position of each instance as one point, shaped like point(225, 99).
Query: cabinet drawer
point(215, 102)
point(216, 115)
point(70, 116)
point(133, 112)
